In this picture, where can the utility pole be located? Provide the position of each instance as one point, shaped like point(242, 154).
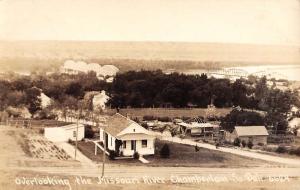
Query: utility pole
point(76, 143)
point(104, 147)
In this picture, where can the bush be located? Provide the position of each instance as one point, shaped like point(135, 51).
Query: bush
point(145, 125)
point(295, 151)
point(149, 118)
point(250, 144)
point(136, 155)
point(197, 148)
point(260, 144)
point(164, 119)
point(88, 132)
point(236, 142)
point(112, 154)
point(244, 143)
point(41, 131)
point(165, 151)
point(281, 149)
point(71, 142)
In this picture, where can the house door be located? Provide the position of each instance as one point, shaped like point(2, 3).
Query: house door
point(106, 141)
point(133, 145)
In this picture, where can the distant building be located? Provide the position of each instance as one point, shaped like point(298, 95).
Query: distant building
point(75, 67)
point(45, 100)
point(196, 128)
point(294, 123)
point(255, 134)
point(126, 137)
point(100, 100)
point(64, 133)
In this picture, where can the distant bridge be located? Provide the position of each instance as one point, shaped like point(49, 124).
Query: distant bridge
point(229, 72)
point(234, 72)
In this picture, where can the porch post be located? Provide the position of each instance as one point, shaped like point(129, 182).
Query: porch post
point(95, 149)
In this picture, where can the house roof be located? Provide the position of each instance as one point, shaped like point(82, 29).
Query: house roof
point(251, 131)
point(117, 123)
point(72, 126)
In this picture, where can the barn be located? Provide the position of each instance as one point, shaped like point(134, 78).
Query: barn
point(255, 134)
point(64, 133)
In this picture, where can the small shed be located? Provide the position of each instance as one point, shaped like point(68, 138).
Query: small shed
point(256, 134)
point(65, 133)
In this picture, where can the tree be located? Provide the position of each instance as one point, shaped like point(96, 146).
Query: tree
point(33, 99)
point(261, 92)
point(165, 151)
point(241, 118)
point(239, 94)
point(75, 89)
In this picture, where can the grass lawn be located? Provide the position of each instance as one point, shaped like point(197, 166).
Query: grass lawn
point(181, 155)
point(169, 112)
point(185, 155)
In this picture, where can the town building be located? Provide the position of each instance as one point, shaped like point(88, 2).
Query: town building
point(65, 133)
point(125, 136)
point(255, 134)
point(99, 100)
point(197, 129)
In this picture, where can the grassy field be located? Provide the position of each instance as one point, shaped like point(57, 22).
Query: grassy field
point(170, 112)
point(181, 155)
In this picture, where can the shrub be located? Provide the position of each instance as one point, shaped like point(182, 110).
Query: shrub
point(165, 151)
point(149, 118)
point(236, 142)
point(71, 142)
point(88, 132)
point(112, 154)
point(41, 131)
point(244, 143)
point(197, 148)
point(136, 155)
point(250, 144)
point(164, 119)
point(295, 151)
point(145, 125)
point(260, 144)
point(281, 149)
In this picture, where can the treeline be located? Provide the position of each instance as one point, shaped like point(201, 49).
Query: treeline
point(65, 90)
point(140, 89)
point(156, 89)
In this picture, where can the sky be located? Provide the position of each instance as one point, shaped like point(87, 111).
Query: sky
point(222, 21)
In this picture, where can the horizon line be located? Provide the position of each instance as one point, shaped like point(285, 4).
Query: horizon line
point(150, 41)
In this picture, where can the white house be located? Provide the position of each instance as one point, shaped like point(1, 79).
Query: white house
point(126, 137)
point(64, 133)
point(45, 100)
point(99, 100)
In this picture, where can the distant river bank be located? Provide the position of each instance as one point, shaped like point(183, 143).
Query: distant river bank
point(289, 72)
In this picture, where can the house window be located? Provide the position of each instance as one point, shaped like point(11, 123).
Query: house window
point(144, 143)
point(74, 134)
point(124, 144)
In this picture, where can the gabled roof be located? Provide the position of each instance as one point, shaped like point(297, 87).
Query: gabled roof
point(117, 123)
point(251, 131)
point(72, 126)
